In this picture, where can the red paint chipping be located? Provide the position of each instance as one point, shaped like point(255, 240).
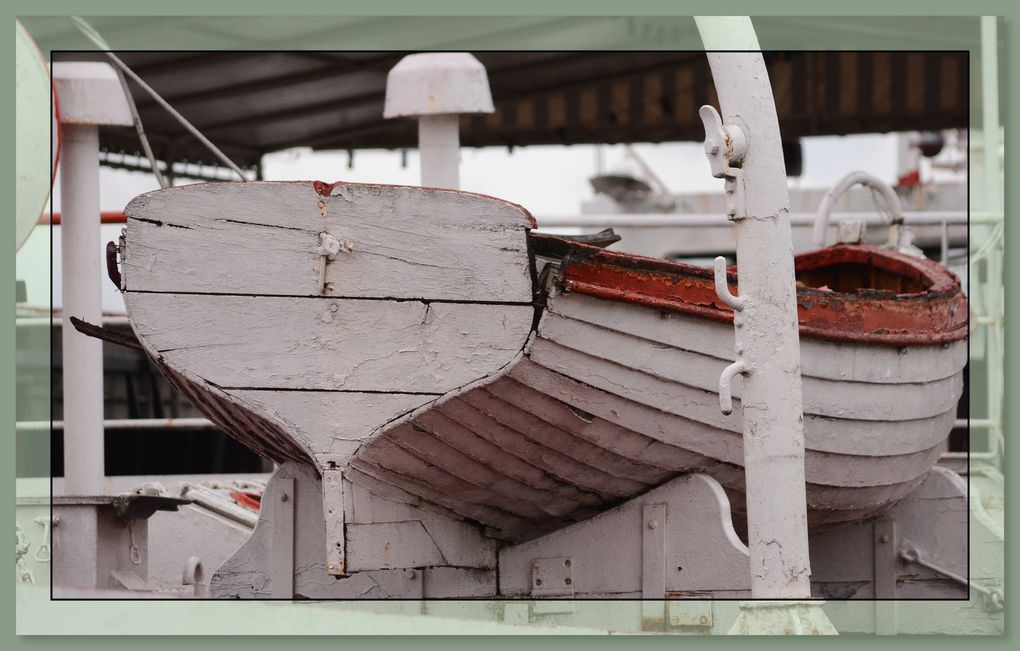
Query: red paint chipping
point(323, 189)
point(851, 293)
point(248, 500)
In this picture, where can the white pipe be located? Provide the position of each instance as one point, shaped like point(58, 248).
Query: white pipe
point(892, 202)
point(58, 322)
point(81, 275)
point(990, 108)
point(714, 220)
point(121, 423)
point(439, 144)
point(767, 334)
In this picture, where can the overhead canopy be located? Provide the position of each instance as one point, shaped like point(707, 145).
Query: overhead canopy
point(253, 103)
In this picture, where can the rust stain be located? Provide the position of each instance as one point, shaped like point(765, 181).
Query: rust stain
point(853, 293)
point(112, 270)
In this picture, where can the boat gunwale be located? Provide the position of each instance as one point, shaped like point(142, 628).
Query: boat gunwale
point(657, 283)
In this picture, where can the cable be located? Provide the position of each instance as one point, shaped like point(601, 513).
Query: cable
point(98, 41)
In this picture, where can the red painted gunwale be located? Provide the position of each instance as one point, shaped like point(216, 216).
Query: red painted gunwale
point(936, 315)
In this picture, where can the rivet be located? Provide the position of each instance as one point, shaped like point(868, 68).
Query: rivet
point(538, 581)
point(567, 580)
point(284, 497)
point(884, 539)
point(334, 307)
point(567, 562)
point(653, 524)
point(703, 620)
point(331, 566)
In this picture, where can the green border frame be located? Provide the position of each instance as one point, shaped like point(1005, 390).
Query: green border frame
point(107, 620)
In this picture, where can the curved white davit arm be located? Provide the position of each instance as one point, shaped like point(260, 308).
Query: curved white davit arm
point(744, 146)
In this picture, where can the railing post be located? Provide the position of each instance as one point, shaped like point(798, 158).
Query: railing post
point(90, 95)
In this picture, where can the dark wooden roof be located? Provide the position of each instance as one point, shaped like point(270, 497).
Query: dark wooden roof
point(252, 103)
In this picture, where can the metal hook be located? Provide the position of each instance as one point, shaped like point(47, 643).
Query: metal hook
point(722, 288)
point(725, 385)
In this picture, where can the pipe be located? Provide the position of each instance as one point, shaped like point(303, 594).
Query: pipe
point(121, 424)
point(711, 220)
point(58, 322)
point(675, 219)
point(81, 274)
point(439, 143)
point(892, 201)
point(105, 217)
point(767, 336)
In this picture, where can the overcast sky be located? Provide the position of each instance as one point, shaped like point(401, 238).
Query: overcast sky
point(547, 180)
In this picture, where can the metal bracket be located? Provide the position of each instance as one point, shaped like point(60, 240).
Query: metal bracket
point(42, 554)
point(552, 577)
point(329, 248)
point(725, 147)
point(993, 597)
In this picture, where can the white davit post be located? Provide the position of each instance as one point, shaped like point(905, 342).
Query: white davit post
point(437, 88)
point(90, 95)
point(745, 148)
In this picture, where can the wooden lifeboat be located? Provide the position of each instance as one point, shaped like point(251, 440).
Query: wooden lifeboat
point(430, 346)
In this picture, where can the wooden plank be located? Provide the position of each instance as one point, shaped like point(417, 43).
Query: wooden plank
point(330, 344)
point(462, 437)
point(333, 513)
point(826, 360)
point(522, 497)
point(390, 545)
point(831, 398)
point(653, 551)
point(282, 556)
point(386, 453)
point(331, 424)
point(263, 238)
point(626, 403)
point(507, 525)
point(822, 432)
point(562, 466)
point(621, 476)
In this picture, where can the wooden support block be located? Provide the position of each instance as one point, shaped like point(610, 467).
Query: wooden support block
point(282, 560)
point(333, 514)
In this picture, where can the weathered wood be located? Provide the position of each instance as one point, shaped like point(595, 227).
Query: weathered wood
point(263, 238)
point(391, 545)
point(282, 554)
point(440, 582)
point(626, 404)
point(821, 359)
point(334, 507)
point(503, 491)
point(606, 560)
point(330, 344)
point(465, 439)
point(561, 465)
point(332, 425)
point(824, 397)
